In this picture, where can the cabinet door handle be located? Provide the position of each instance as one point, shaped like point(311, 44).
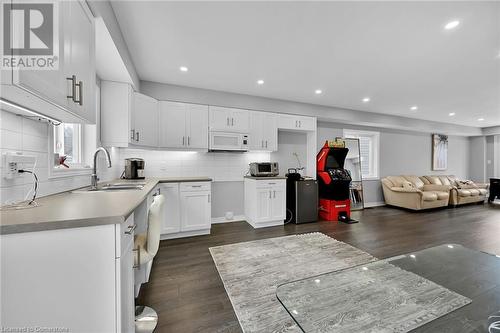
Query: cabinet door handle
point(183, 141)
point(80, 93)
point(270, 194)
point(73, 87)
point(266, 143)
point(133, 134)
point(131, 229)
point(138, 258)
point(300, 123)
point(195, 185)
point(189, 144)
point(262, 144)
point(232, 121)
point(227, 121)
point(137, 136)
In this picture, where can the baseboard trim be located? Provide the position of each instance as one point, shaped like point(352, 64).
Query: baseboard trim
point(374, 204)
point(185, 234)
point(222, 219)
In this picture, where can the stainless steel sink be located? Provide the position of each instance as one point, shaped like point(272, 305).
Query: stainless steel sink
point(111, 187)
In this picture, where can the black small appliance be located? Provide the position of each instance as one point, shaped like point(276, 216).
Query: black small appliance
point(301, 198)
point(134, 168)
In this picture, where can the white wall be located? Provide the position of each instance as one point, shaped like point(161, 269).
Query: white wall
point(30, 137)
point(478, 159)
point(288, 144)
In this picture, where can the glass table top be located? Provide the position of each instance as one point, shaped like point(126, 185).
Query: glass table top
point(325, 303)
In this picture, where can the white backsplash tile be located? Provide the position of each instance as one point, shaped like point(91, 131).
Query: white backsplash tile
point(30, 137)
point(219, 166)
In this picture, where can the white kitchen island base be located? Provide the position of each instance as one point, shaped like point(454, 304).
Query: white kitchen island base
point(265, 201)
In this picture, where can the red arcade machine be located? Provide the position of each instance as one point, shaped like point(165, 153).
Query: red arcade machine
point(334, 182)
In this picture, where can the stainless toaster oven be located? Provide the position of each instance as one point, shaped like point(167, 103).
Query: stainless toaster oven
point(264, 169)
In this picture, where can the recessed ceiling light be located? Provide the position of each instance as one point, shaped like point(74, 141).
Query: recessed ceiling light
point(318, 91)
point(260, 82)
point(366, 99)
point(414, 108)
point(183, 69)
point(452, 25)
point(480, 119)
point(451, 114)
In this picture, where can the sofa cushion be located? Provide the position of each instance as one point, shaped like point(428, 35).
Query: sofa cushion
point(415, 180)
point(445, 180)
point(473, 192)
point(434, 180)
point(396, 181)
point(442, 195)
point(464, 193)
point(429, 196)
point(409, 186)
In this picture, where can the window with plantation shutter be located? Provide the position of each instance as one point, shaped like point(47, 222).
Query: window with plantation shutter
point(369, 151)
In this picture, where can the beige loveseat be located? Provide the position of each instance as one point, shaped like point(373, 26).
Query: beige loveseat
point(412, 193)
point(426, 192)
point(462, 191)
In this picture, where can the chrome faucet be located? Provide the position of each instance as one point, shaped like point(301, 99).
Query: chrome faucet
point(93, 177)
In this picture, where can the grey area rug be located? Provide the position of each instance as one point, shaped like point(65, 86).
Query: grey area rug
point(252, 271)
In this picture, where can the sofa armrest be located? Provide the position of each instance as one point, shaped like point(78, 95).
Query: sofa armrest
point(483, 186)
point(404, 190)
point(440, 188)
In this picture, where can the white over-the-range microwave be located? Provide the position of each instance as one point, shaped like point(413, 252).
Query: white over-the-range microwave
point(227, 141)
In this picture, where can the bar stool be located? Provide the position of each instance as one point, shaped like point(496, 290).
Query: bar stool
point(146, 245)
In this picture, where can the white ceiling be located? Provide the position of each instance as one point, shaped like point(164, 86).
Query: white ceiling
point(396, 53)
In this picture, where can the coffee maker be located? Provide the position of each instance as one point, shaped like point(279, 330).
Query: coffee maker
point(134, 168)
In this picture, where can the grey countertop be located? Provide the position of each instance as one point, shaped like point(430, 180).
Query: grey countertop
point(73, 210)
point(265, 178)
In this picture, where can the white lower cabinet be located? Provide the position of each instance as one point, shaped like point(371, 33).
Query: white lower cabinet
point(188, 209)
point(125, 301)
point(172, 219)
point(79, 279)
point(265, 202)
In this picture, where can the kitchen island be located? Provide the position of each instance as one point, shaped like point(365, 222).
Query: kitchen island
point(68, 263)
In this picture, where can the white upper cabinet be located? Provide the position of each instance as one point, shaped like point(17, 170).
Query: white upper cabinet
point(172, 124)
point(116, 114)
point(127, 118)
point(79, 59)
point(263, 131)
point(197, 126)
point(47, 84)
point(300, 123)
point(183, 125)
point(145, 120)
point(229, 119)
point(68, 92)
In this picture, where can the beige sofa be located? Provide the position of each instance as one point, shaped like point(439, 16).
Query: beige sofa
point(412, 193)
point(462, 192)
point(426, 192)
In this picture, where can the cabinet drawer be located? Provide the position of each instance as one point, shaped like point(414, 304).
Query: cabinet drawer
point(270, 183)
point(125, 236)
point(195, 186)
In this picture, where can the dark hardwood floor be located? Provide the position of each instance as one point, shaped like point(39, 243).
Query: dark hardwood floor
point(186, 291)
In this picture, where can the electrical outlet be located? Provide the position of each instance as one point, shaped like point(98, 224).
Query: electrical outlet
point(12, 160)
